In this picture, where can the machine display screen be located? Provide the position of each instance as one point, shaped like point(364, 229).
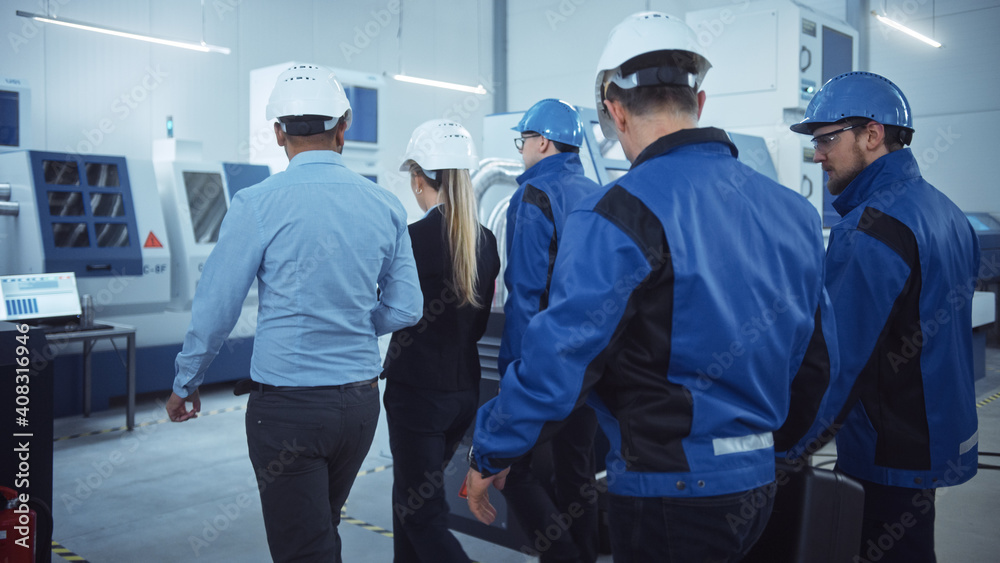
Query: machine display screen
point(33, 296)
point(10, 126)
point(364, 107)
point(983, 223)
point(207, 204)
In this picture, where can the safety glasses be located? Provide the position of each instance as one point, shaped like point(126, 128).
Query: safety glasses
point(825, 142)
point(519, 142)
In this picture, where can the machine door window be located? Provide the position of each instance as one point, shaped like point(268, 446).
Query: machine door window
point(66, 204)
point(102, 174)
point(61, 172)
point(106, 205)
point(70, 235)
point(111, 235)
point(207, 202)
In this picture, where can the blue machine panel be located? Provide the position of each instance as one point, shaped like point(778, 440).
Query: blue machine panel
point(239, 176)
point(838, 51)
point(86, 213)
point(10, 126)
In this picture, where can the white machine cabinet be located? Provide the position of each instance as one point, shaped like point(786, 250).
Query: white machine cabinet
point(768, 60)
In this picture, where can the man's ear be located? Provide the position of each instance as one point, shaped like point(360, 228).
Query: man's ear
point(279, 134)
point(544, 145)
point(701, 102)
point(875, 132)
point(617, 113)
point(339, 136)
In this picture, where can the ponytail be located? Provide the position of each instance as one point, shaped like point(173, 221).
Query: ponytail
point(454, 188)
point(462, 225)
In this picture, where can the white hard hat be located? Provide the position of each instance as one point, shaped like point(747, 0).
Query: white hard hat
point(309, 90)
point(440, 144)
point(674, 57)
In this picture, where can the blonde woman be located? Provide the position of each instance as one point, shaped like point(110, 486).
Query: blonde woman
point(432, 369)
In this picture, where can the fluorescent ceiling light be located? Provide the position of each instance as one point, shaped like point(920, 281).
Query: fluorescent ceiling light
point(906, 30)
point(203, 47)
point(438, 84)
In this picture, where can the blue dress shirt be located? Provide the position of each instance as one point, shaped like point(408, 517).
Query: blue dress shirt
point(334, 265)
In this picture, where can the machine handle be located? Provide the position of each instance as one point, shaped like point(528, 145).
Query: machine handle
point(809, 59)
point(8, 207)
point(806, 183)
point(97, 267)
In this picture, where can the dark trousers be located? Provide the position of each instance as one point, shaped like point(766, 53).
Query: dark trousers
point(556, 507)
point(306, 447)
point(898, 524)
point(719, 529)
point(425, 428)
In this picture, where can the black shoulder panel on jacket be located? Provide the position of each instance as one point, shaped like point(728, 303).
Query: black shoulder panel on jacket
point(540, 199)
point(893, 232)
point(631, 215)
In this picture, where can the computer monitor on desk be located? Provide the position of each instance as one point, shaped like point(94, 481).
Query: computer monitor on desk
point(49, 300)
point(39, 296)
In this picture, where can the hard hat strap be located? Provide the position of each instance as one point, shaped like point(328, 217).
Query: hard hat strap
point(667, 75)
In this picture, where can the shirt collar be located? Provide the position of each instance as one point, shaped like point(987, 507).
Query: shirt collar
point(668, 143)
point(316, 156)
point(568, 161)
point(886, 170)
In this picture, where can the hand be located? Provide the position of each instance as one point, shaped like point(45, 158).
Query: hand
point(477, 488)
point(176, 409)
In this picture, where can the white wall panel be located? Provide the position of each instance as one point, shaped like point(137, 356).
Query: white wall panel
point(94, 97)
point(956, 153)
point(197, 89)
point(23, 58)
point(554, 46)
point(952, 90)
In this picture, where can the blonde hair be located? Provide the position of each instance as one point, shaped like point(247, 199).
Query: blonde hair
point(455, 192)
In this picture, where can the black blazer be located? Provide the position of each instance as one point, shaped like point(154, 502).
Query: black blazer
point(439, 352)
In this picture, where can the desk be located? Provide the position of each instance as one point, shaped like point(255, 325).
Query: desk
point(88, 337)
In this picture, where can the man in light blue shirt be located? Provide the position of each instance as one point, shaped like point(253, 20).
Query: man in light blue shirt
point(335, 269)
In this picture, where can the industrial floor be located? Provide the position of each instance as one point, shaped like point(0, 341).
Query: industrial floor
point(184, 492)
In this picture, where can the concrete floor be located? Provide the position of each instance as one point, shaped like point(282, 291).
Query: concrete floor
point(184, 492)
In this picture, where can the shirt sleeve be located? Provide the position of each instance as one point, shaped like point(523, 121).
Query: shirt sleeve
point(530, 259)
point(400, 302)
point(560, 361)
point(225, 279)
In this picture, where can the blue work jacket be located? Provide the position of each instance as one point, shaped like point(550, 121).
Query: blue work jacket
point(901, 270)
point(547, 192)
point(687, 307)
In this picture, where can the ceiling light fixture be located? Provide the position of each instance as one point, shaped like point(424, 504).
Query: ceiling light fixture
point(898, 26)
point(478, 89)
point(203, 47)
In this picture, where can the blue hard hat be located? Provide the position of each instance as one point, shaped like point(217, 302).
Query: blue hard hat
point(555, 120)
point(857, 94)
